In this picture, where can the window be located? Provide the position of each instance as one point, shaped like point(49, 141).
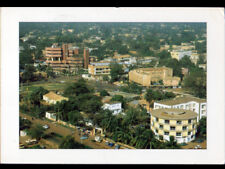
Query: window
point(166, 133)
point(156, 131)
point(189, 121)
point(172, 128)
point(161, 126)
point(189, 133)
point(184, 128)
point(156, 119)
point(167, 121)
point(178, 134)
point(179, 122)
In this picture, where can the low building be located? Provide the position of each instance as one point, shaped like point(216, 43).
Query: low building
point(147, 76)
point(179, 54)
point(53, 98)
point(115, 107)
point(50, 116)
point(187, 103)
point(203, 66)
point(179, 123)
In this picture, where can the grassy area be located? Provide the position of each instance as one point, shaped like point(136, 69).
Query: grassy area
point(58, 84)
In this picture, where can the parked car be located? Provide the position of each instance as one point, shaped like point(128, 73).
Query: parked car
point(117, 146)
point(98, 139)
point(84, 137)
point(45, 126)
point(31, 141)
point(111, 144)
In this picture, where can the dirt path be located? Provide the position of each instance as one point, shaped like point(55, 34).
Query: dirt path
point(64, 131)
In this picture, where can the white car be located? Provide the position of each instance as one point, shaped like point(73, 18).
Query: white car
point(46, 126)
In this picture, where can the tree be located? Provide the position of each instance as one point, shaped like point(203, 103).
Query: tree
point(74, 117)
point(36, 132)
point(172, 143)
point(50, 72)
point(36, 95)
point(116, 70)
point(28, 74)
point(196, 82)
point(164, 54)
point(79, 87)
point(201, 131)
point(68, 142)
point(24, 123)
point(104, 93)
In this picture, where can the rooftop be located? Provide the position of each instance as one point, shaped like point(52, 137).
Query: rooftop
point(180, 100)
point(54, 96)
point(173, 114)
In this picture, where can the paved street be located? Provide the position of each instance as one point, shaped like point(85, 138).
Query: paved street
point(64, 131)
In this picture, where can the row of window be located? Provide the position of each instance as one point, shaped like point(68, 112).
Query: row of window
point(168, 121)
point(168, 133)
point(173, 128)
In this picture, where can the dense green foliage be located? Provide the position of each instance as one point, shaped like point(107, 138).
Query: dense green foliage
point(68, 142)
point(116, 71)
point(153, 95)
point(36, 132)
point(196, 82)
point(132, 88)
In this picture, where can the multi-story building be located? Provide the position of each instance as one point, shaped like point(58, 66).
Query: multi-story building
point(66, 57)
point(99, 68)
point(179, 54)
point(187, 103)
point(145, 76)
point(181, 124)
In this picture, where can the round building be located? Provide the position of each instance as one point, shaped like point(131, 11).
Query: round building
point(180, 123)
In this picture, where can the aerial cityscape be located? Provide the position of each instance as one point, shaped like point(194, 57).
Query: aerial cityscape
point(112, 85)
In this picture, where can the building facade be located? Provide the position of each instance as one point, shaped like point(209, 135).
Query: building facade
point(66, 57)
point(145, 76)
point(181, 124)
point(115, 107)
point(187, 103)
point(99, 68)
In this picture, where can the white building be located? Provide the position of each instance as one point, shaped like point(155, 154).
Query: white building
point(115, 107)
point(179, 54)
point(50, 116)
point(188, 103)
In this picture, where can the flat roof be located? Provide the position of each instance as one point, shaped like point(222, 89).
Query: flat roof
point(180, 100)
point(173, 114)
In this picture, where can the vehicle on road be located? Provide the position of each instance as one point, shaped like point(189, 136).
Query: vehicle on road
point(31, 141)
point(117, 146)
point(98, 139)
point(45, 126)
point(111, 144)
point(84, 137)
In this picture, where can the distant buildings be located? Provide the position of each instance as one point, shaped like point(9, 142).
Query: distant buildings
point(187, 103)
point(181, 124)
point(146, 76)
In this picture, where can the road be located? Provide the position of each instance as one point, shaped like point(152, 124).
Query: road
point(64, 131)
